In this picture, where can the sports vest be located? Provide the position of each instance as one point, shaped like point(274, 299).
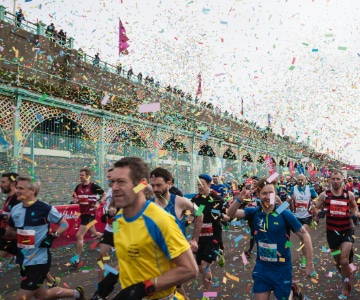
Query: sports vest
point(87, 199)
point(302, 202)
point(338, 211)
point(170, 208)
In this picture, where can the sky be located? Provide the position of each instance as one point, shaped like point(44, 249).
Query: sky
point(296, 60)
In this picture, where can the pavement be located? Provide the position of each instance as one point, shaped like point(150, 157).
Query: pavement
point(233, 281)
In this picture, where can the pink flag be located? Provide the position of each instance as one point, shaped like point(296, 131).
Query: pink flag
point(123, 45)
point(270, 164)
point(292, 171)
point(199, 91)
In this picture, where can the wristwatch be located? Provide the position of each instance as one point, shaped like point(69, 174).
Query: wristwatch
point(149, 288)
point(56, 234)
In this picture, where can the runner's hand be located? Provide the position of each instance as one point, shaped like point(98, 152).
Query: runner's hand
point(193, 246)
point(47, 241)
point(133, 292)
point(309, 269)
point(96, 206)
point(322, 213)
point(3, 217)
point(112, 211)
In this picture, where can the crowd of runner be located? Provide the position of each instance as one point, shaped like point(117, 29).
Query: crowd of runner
point(147, 220)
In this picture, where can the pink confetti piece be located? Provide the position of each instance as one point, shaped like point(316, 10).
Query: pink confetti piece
point(245, 261)
point(152, 107)
point(210, 294)
point(272, 177)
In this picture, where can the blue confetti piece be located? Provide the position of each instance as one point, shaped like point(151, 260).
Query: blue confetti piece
point(205, 136)
point(235, 223)
point(111, 269)
point(223, 22)
point(74, 258)
point(282, 207)
point(215, 211)
point(239, 238)
point(324, 249)
point(40, 6)
point(33, 213)
point(315, 50)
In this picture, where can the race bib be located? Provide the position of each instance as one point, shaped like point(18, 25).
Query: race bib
point(301, 205)
point(206, 229)
point(83, 200)
point(268, 252)
point(25, 239)
point(338, 207)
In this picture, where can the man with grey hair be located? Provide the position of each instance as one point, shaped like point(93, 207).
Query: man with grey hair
point(301, 205)
point(30, 222)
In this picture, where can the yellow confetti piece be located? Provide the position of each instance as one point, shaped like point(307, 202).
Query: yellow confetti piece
point(93, 222)
point(281, 259)
point(139, 187)
point(29, 160)
point(314, 280)
point(40, 145)
point(278, 253)
point(224, 280)
point(18, 135)
point(101, 264)
point(106, 258)
point(300, 247)
point(232, 277)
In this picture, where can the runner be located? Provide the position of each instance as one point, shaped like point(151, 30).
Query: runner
point(107, 285)
point(213, 209)
point(160, 180)
point(29, 223)
point(273, 269)
point(154, 256)
point(86, 195)
point(218, 187)
point(301, 204)
point(8, 186)
point(9, 246)
point(339, 205)
point(107, 239)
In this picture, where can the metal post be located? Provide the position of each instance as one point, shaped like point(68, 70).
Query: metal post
point(71, 43)
point(2, 12)
point(40, 28)
point(101, 152)
point(32, 153)
point(17, 135)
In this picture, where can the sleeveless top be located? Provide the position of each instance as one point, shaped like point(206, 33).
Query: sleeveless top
point(87, 199)
point(338, 211)
point(170, 208)
point(302, 202)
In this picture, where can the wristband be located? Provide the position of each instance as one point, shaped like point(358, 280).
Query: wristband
point(239, 201)
point(56, 234)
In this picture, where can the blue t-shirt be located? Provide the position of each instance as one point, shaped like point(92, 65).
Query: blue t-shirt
point(32, 224)
point(220, 189)
point(272, 231)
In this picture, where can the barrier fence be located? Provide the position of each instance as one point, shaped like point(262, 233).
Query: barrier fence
point(56, 160)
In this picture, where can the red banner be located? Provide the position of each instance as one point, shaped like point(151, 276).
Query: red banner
point(71, 214)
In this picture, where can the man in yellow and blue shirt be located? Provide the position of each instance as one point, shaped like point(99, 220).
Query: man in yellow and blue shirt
point(154, 256)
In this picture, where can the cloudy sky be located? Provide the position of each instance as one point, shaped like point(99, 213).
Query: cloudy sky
point(295, 60)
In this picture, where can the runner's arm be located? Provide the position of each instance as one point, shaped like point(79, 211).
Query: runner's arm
point(237, 200)
point(185, 270)
point(305, 237)
point(185, 204)
point(63, 226)
point(8, 232)
point(353, 205)
point(319, 203)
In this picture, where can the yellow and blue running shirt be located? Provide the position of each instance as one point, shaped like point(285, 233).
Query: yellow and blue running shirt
point(145, 244)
